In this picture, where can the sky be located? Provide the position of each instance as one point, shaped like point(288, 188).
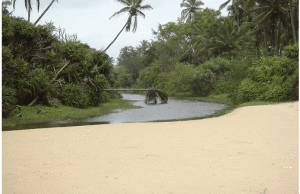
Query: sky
point(89, 19)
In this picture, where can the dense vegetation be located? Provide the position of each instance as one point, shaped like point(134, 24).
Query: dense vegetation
point(40, 66)
point(250, 55)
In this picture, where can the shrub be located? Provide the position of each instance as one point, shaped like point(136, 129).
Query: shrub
point(9, 100)
point(73, 95)
point(95, 92)
point(40, 84)
point(291, 51)
point(202, 83)
point(271, 79)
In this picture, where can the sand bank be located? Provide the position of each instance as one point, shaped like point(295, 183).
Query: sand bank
point(251, 150)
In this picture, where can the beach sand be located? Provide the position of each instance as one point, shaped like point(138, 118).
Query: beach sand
point(250, 150)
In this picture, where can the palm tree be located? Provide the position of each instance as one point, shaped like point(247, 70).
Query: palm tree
point(292, 21)
point(28, 6)
point(191, 7)
point(133, 8)
point(220, 38)
point(44, 12)
point(271, 13)
point(234, 7)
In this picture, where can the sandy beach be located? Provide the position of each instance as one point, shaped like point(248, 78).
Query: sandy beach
point(250, 150)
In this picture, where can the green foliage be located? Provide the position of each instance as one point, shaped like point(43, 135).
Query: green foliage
point(179, 80)
point(33, 56)
point(9, 100)
point(40, 83)
point(291, 51)
point(96, 94)
point(202, 85)
point(271, 79)
point(147, 78)
point(73, 95)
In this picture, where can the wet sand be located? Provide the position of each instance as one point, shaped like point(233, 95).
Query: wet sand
point(250, 150)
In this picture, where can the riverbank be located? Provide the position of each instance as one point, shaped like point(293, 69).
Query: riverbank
point(63, 113)
point(253, 149)
point(30, 120)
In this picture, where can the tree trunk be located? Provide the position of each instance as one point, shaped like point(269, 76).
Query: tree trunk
point(29, 13)
point(60, 71)
point(117, 36)
point(277, 28)
point(265, 37)
point(293, 23)
point(43, 13)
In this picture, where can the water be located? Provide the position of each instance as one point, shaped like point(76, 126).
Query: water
point(175, 109)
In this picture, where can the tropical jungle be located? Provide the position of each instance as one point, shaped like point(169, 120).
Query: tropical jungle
point(251, 55)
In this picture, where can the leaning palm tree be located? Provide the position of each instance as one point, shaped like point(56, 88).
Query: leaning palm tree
point(133, 8)
point(28, 6)
point(44, 12)
point(191, 7)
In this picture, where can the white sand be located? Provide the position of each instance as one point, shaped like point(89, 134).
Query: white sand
point(251, 150)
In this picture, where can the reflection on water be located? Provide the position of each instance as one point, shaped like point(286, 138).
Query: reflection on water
point(175, 109)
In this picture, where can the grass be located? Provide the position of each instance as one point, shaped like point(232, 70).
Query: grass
point(63, 113)
point(222, 98)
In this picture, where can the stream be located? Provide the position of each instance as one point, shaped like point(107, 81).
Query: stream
point(175, 109)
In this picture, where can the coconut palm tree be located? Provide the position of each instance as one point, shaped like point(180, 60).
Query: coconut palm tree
point(220, 37)
point(28, 6)
point(191, 7)
point(44, 12)
point(292, 21)
point(234, 8)
point(272, 13)
point(133, 8)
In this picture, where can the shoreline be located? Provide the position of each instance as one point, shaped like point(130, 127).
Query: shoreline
point(252, 149)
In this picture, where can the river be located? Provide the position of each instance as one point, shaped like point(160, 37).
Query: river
point(175, 109)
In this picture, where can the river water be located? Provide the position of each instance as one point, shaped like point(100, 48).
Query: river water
point(175, 109)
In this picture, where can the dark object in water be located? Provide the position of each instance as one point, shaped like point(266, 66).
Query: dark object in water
point(153, 93)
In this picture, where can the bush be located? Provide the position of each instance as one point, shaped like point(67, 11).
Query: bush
point(73, 95)
point(202, 83)
point(271, 79)
point(9, 100)
point(291, 51)
point(95, 93)
point(40, 84)
point(180, 80)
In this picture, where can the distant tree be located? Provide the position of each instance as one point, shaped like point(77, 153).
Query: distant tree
point(272, 13)
point(5, 4)
point(133, 8)
point(191, 7)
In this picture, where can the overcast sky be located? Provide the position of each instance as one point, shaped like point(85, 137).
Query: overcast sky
point(89, 19)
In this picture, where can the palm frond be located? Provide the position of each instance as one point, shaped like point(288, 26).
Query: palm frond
point(128, 24)
point(125, 2)
point(134, 24)
point(198, 3)
point(38, 4)
point(224, 5)
point(125, 9)
point(145, 7)
point(140, 13)
point(185, 5)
